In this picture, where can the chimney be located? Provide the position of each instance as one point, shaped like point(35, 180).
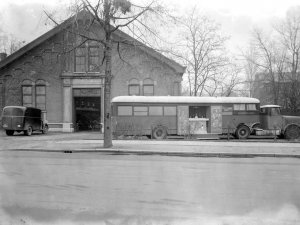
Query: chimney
point(3, 55)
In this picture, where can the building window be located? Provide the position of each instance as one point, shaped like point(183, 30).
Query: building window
point(80, 59)
point(95, 58)
point(134, 87)
point(89, 58)
point(148, 87)
point(27, 95)
point(40, 94)
point(176, 89)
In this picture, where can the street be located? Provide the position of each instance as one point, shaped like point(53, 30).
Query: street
point(99, 188)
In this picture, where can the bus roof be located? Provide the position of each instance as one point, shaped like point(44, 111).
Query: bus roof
point(182, 99)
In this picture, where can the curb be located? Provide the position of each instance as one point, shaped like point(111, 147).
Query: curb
point(178, 154)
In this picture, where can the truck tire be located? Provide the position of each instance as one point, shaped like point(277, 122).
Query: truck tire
point(9, 132)
point(159, 132)
point(292, 132)
point(242, 132)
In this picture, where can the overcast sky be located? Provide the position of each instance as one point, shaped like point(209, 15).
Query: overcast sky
point(25, 18)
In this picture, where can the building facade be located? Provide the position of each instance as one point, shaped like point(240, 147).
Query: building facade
point(62, 73)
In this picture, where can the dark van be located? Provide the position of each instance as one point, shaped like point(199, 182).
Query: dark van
point(23, 119)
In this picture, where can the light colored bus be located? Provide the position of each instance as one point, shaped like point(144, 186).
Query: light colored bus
point(161, 116)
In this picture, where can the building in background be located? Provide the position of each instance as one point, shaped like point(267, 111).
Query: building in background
point(62, 74)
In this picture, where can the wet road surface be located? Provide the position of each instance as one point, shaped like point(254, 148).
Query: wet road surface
point(91, 188)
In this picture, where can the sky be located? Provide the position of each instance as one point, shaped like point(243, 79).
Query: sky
point(26, 20)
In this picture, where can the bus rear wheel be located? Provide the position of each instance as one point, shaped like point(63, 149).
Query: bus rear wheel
point(159, 133)
point(292, 132)
point(242, 132)
point(9, 132)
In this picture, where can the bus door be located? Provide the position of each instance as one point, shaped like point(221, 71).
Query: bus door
point(216, 119)
point(183, 120)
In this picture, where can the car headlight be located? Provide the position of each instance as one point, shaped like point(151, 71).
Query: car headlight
point(19, 125)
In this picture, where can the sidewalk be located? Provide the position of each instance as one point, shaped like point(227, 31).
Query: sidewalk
point(91, 142)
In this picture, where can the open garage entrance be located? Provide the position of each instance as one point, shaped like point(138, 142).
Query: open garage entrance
point(87, 110)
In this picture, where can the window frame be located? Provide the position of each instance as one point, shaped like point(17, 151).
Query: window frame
point(29, 95)
point(40, 95)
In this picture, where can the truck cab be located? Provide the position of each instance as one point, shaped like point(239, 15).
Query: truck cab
point(272, 122)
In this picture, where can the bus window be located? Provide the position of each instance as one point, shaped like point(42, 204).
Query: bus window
point(124, 111)
point(170, 110)
point(239, 107)
point(251, 107)
point(140, 111)
point(155, 111)
point(13, 112)
point(197, 111)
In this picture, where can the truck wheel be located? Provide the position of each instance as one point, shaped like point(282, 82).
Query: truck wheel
point(9, 132)
point(45, 129)
point(292, 132)
point(159, 133)
point(28, 132)
point(242, 132)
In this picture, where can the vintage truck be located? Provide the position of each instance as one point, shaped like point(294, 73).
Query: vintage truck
point(273, 123)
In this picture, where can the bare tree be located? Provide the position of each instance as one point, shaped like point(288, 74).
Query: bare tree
point(265, 56)
point(110, 16)
point(202, 50)
point(9, 43)
point(289, 34)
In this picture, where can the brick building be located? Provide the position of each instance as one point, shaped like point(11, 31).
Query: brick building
point(60, 73)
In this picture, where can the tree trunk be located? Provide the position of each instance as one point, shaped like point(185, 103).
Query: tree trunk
point(108, 77)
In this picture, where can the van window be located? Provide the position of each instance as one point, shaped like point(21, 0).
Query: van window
point(13, 112)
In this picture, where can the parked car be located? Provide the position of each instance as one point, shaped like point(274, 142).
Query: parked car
point(23, 119)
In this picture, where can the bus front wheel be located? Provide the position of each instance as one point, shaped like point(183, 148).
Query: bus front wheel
point(242, 132)
point(159, 133)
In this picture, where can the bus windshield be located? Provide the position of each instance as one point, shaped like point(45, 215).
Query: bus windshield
point(13, 112)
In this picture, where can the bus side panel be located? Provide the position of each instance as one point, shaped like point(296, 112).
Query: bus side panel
point(143, 125)
point(183, 120)
point(216, 119)
point(230, 122)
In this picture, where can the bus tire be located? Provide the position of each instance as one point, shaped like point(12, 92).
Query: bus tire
point(292, 132)
point(9, 132)
point(28, 132)
point(159, 132)
point(242, 132)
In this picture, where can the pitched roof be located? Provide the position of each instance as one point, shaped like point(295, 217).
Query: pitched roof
point(9, 59)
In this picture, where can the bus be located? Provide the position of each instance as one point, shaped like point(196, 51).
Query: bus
point(161, 116)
